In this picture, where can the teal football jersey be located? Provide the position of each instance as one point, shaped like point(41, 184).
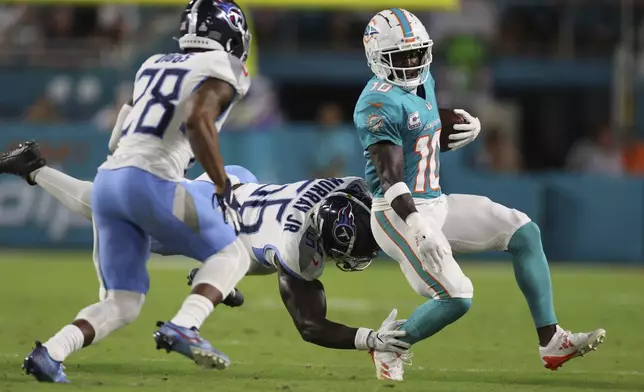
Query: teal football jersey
point(385, 112)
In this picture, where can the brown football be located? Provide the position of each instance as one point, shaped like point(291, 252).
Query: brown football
point(448, 120)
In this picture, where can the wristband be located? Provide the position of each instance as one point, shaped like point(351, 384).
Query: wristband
point(362, 338)
point(397, 189)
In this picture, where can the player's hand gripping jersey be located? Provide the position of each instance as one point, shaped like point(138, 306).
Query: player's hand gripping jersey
point(154, 138)
point(277, 224)
point(386, 112)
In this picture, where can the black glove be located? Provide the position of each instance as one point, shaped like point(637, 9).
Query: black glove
point(191, 275)
point(230, 207)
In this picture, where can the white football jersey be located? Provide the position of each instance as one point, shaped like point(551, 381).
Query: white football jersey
point(276, 223)
point(154, 137)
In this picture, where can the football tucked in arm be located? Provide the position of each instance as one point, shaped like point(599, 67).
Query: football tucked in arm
point(448, 120)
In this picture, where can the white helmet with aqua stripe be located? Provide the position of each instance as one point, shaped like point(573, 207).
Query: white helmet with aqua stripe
point(398, 48)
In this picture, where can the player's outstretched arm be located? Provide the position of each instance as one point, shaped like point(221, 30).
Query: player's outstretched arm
point(388, 161)
point(306, 303)
point(204, 106)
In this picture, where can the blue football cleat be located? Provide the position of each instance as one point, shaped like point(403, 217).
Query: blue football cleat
point(45, 369)
point(188, 342)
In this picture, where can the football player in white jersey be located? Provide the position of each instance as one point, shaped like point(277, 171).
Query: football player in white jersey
point(290, 230)
point(179, 104)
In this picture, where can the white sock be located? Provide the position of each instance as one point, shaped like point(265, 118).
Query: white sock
point(32, 175)
point(194, 311)
point(68, 340)
point(72, 192)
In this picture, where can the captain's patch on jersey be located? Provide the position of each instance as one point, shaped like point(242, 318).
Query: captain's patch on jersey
point(374, 122)
point(413, 122)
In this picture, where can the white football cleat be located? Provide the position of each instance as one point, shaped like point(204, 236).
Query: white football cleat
point(389, 366)
point(565, 346)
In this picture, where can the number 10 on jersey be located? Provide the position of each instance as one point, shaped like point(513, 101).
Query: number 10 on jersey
point(428, 150)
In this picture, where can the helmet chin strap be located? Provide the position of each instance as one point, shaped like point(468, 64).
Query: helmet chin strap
point(192, 26)
point(391, 78)
point(351, 243)
point(317, 224)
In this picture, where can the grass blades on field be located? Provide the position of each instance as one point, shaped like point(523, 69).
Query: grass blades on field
point(493, 348)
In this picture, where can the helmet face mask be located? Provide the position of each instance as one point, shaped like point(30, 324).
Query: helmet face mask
point(215, 25)
point(399, 52)
point(348, 263)
point(343, 223)
point(408, 65)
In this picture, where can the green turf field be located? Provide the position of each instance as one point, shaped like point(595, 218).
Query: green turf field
point(493, 348)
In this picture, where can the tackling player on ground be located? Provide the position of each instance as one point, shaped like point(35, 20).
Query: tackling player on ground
point(179, 104)
point(399, 124)
point(289, 229)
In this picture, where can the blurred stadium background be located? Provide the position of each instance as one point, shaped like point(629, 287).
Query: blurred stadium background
point(557, 85)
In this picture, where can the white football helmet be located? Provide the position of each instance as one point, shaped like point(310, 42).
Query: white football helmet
point(398, 48)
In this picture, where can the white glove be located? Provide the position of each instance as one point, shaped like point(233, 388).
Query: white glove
point(431, 249)
point(385, 339)
point(470, 130)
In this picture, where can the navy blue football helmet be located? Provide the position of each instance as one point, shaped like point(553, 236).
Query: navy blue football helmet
point(343, 220)
point(215, 25)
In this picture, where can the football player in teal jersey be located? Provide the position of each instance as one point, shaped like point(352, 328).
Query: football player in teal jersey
point(399, 125)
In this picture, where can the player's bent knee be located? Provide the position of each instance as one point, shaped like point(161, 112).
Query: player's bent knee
point(128, 304)
point(224, 269)
point(460, 287)
point(459, 306)
point(465, 289)
point(119, 309)
point(526, 238)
